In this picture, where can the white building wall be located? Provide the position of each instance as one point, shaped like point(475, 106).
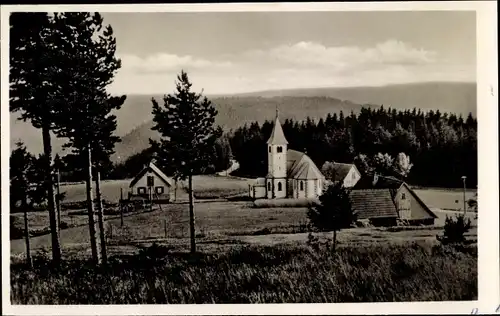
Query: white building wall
point(258, 192)
point(300, 194)
point(311, 188)
point(157, 182)
point(351, 178)
point(276, 161)
point(277, 193)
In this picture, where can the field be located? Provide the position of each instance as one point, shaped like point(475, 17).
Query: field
point(203, 186)
point(231, 214)
point(221, 225)
point(265, 253)
point(280, 274)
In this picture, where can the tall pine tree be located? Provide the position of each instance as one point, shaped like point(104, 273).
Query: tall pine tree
point(186, 123)
point(35, 82)
point(86, 120)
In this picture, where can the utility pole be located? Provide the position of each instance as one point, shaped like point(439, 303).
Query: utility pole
point(465, 206)
point(121, 207)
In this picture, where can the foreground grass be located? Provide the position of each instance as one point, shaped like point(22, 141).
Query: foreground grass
point(277, 274)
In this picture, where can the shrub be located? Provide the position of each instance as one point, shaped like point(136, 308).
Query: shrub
point(455, 229)
point(334, 211)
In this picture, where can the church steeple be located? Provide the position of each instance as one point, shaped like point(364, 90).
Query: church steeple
point(277, 136)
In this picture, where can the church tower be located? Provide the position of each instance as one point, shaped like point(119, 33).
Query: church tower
point(276, 181)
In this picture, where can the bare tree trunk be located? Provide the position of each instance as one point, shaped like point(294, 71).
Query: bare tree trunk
point(334, 240)
point(175, 191)
point(54, 227)
point(29, 261)
point(191, 215)
point(58, 201)
point(90, 208)
point(100, 217)
point(121, 207)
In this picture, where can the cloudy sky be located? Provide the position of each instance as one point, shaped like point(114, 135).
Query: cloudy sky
point(242, 52)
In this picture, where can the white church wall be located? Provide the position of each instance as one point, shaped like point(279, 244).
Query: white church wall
point(258, 192)
point(279, 183)
point(311, 188)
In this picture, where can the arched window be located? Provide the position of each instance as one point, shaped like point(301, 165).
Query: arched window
point(269, 186)
point(269, 148)
point(279, 186)
point(301, 185)
point(280, 149)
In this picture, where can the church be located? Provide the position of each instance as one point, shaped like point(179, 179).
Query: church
point(291, 174)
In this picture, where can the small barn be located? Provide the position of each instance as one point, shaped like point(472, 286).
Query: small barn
point(151, 183)
point(408, 206)
point(375, 205)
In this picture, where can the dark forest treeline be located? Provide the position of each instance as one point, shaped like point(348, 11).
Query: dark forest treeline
point(442, 146)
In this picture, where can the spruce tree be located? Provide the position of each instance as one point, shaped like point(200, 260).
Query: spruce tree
point(35, 83)
point(186, 123)
point(21, 162)
point(89, 49)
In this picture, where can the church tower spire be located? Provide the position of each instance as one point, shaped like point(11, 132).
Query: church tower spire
point(277, 161)
point(277, 135)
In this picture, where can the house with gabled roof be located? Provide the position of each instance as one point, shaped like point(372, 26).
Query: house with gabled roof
point(291, 174)
point(370, 199)
point(346, 173)
point(151, 183)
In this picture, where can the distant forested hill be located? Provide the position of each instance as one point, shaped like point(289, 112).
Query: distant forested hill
point(134, 118)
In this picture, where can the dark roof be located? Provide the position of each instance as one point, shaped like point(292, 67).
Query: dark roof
point(341, 170)
point(373, 203)
point(383, 182)
point(300, 166)
point(277, 135)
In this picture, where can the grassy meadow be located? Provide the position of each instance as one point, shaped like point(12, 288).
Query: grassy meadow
point(214, 218)
point(257, 274)
point(246, 254)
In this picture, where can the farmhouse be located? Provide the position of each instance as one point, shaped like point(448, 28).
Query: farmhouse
point(291, 174)
point(384, 200)
point(346, 173)
point(151, 183)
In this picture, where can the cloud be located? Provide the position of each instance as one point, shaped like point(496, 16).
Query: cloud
point(165, 63)
point(300, 65)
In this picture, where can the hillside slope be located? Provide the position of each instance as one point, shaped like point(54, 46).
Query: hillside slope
point(456, 97)
point(134, 118)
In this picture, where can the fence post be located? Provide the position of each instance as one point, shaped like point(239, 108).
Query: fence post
point(165, 227)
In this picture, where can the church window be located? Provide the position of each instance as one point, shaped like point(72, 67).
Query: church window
point(269, 186)
point(280, 149)
point(301, 185)
point(269, 148)
point(403, 196)
point(279, 186)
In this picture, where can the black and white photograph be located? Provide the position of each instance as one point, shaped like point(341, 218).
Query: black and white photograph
point(186, 155)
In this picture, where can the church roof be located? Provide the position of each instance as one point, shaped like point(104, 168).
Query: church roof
point(277, 135)
point(300, 166)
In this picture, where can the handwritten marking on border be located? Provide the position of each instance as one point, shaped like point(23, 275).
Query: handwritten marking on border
point(475, 311)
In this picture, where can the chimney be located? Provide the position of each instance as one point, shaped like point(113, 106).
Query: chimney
point(375, 179)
